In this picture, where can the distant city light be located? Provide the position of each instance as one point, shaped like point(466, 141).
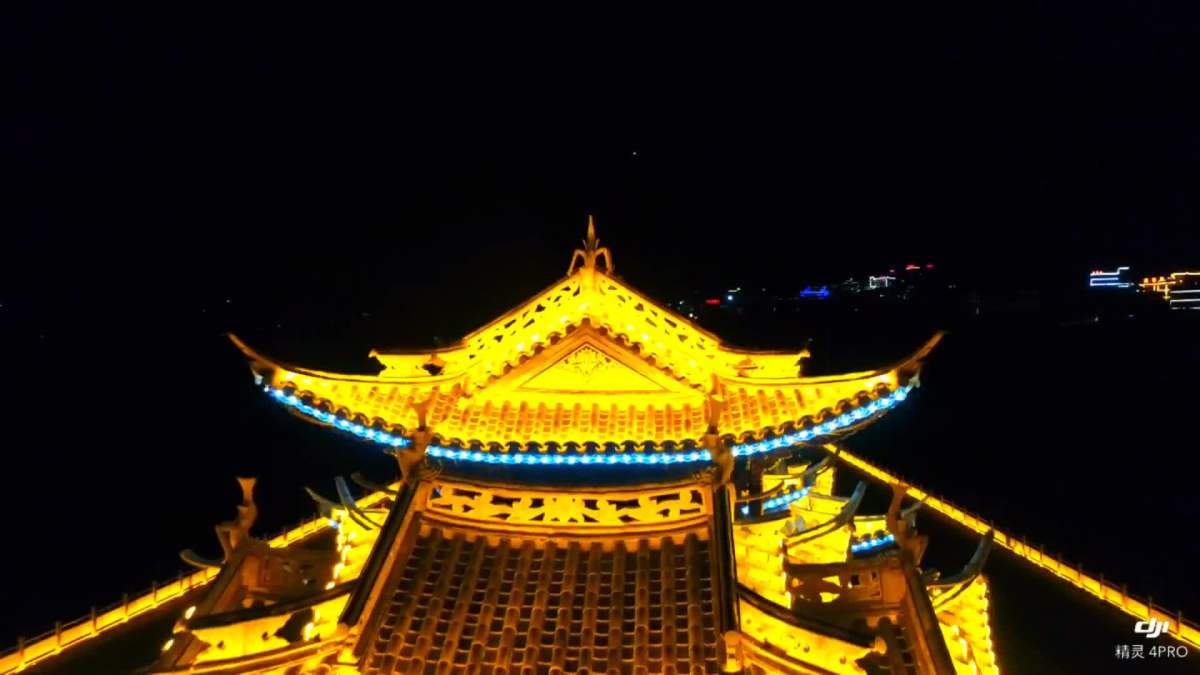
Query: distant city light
point(1172, 286)
point(1102, 279)
point(1191, 299)
point(810, 292)
point(712, 301)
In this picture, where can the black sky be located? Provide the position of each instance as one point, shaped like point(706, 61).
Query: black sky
point(247, 151)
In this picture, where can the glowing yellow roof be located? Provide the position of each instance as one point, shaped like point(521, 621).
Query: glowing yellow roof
point(587, 360)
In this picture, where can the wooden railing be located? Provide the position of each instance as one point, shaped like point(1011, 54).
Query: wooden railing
point(70, 633)
point(1181, 629)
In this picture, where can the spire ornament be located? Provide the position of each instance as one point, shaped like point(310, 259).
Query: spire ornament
point(591, 252)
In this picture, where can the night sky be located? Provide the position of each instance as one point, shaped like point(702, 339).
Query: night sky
point(173, 172)
point(202, 149)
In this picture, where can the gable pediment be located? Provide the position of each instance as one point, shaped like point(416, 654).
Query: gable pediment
point(588, 363)
point(587, 369)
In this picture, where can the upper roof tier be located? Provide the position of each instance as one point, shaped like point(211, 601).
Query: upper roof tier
point(587, 360)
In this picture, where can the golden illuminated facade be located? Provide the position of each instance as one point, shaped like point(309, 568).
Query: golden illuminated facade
point(589, 483)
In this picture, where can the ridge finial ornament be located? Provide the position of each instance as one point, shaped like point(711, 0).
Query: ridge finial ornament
point(591, 252)
point(721, 453)
point(233, 534)
point(412, 457)
point(895, 524)
point(422, 409)
point(804, 355)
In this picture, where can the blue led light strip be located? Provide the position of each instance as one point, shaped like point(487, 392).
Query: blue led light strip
point(556, 459)
point(329, 418)
point(780, 502)
point(872, 544)
point(839, 422)
point(592, 458)
point(776, 503)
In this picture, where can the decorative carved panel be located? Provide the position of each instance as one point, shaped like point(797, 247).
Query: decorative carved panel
point(530, 507)
point(587, 369)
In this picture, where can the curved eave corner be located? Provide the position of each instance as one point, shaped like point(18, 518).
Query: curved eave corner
point(260, 365)
point(909, 368)
point(263, 369)
point(849, 416)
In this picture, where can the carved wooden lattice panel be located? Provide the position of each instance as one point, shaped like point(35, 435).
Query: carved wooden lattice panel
point(543, 507)
point(671, 340)
point(508, 337)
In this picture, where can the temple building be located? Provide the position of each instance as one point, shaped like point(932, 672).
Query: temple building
point(590, 483)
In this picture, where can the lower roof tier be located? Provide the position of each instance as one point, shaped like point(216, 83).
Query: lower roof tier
point(537, 604)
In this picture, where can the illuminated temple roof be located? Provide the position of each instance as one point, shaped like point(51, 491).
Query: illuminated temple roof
point(690, 571)
point(729, 565)
point(588, 361)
